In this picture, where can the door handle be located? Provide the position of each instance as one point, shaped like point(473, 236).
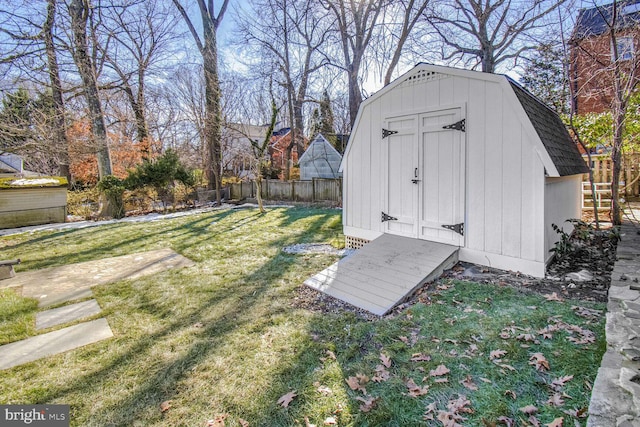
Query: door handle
point(415, 181)
point(415, 173)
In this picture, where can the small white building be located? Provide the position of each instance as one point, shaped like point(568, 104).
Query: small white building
point(465, 158)
point(320, 160)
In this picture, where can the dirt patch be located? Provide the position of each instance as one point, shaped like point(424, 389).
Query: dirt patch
point(580, 271)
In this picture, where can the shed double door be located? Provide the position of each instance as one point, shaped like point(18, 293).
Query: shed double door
point(425, 166)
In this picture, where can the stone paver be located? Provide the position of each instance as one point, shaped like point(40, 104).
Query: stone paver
point(70, 282)
point(68, 313)
point(55, 342)
point(615, 400)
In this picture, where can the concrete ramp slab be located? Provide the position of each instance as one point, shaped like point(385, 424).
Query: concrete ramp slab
point(384, 272)
point(34, 348)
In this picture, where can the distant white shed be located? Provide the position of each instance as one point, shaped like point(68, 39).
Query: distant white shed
point(320, 160)
point(464, 158)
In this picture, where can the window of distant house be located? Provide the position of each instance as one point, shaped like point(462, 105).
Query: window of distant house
point(625, 48)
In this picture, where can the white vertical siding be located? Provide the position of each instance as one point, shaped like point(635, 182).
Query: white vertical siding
point(493, 179)
point(558, 193)
point(505, 182)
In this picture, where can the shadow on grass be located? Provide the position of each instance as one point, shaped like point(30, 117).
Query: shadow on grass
point(235, 306)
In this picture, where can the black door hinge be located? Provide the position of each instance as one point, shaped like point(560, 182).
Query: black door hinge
point(386, 217)
point(460, 125)
point(387, 132)
point(458, 228)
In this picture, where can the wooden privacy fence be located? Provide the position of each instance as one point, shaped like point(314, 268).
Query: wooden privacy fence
point(316, 190)
point(602, 167)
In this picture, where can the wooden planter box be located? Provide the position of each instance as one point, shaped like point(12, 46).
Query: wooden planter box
point(32, 201)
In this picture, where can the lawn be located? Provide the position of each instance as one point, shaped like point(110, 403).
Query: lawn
point(222, 343)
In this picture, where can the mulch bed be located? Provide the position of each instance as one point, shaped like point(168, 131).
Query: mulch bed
point(593, 258)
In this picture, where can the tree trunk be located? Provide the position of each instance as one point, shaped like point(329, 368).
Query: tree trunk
point(616, 159)
point(59, 124)
point(212, 124)
point(79, 11)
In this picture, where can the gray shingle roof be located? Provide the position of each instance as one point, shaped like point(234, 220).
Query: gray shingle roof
point(593, 21)
point(552, 132)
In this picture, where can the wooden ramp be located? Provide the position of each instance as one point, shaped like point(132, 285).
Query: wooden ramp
point(384, 272)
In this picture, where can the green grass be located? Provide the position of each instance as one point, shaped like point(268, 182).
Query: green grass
point(223, 337)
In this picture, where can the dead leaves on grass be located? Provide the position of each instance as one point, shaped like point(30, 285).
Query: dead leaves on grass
point(358, 383)
point(286, 399)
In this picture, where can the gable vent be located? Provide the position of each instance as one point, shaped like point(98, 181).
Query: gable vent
point(423, 76)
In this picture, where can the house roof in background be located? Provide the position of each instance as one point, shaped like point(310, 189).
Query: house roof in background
point(593, 21)
point(552, 132)
point(10, 163)
point(319, 148)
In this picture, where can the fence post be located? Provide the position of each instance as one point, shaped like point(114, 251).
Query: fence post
point(293, 190)
point(313, 189)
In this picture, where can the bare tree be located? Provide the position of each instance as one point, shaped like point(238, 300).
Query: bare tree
point(356, 24)
point(609, 77)
point(138, 34)
point(208, 47)
point(79, 11)
point(259, 152)
point(290, 35)
point(397, 32)
point(489, 32)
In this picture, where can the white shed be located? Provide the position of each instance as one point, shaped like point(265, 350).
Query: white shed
point(320, 160)
point(464, 158)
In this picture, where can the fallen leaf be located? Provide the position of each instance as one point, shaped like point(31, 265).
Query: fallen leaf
point(386, 360)
point(558, 383)
point(165, 406)
point(381, 374)
point(539, 361)
point(553, 297)
point(529, 409)
point(358, 382)
point(404, 339)
point(449, 419)
point(367, 403)
point(243, 423)
point(555, 400)
point(534, 421)
point(414, 389)
point(441, 380)
point(323, 390)
point(286, 399)
point(218, 421)
point(509, 367)
point(526, 337)
point(486, 380)
point(198, 325)
point(468, 383)
point(511, 393)
point(578, 413)
point(556, 423)
point(497, 354)
point(307, 423)
point(439, 371)
point(506, 421)
point(420, 357)
point(330, 421)
point(460, 405)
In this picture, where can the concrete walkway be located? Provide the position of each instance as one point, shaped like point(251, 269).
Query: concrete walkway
point(615, 400)
point(55, 285)
point(72, 282)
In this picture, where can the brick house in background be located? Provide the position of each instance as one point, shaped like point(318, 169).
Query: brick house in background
point(280, 140)
point(591, 53)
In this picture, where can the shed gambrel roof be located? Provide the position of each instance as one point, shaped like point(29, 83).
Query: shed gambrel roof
point(594, 21)
point(552, 132)
point(558, 152)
